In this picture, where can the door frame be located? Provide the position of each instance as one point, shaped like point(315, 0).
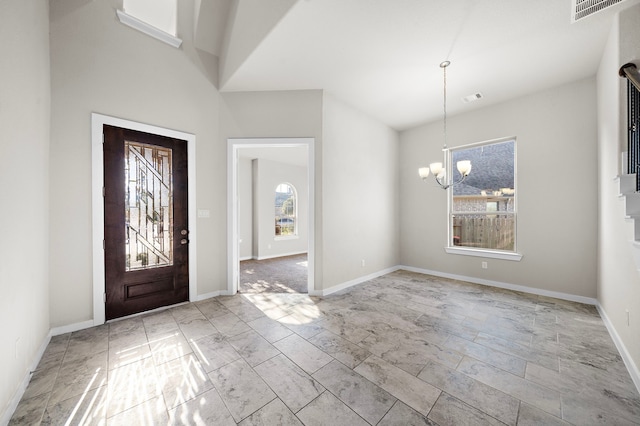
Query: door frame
point(233, 258)
point(97, 203)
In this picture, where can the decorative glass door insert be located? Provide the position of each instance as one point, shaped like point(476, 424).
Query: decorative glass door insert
point(148, 206)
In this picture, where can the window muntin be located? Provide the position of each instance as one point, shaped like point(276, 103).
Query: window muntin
point(286, 210)
point(482, 209)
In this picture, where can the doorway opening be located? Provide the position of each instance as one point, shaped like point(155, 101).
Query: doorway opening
point(271, 217)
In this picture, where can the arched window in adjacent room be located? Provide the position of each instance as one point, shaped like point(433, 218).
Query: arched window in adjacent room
point(286, 210)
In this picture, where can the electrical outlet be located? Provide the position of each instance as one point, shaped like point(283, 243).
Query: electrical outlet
point(363, 263)
point(484, 265)
point(628, 318)
point(17, 354)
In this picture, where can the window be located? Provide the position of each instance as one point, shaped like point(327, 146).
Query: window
point(286, 210)
point(158, 13)
point(156, 18)
point(482, 209)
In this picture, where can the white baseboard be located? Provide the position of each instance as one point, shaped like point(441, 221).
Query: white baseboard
point(56, 331)
point(507, 286)
point(279, 255)
point(353, 282)
point(634, 372)
point(17, 396)
point(208, 295)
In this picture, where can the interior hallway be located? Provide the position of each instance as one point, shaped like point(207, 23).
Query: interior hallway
point(402, 349)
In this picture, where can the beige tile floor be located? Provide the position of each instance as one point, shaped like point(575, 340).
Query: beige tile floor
point(402, 349)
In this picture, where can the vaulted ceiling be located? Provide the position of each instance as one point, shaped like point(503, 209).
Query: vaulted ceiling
point(383, 56)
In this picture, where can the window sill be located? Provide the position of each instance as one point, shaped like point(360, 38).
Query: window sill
point(149, 30)
point(504, 255)
point(286, 237)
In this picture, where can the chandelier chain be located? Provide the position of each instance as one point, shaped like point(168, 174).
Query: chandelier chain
point(444, 106)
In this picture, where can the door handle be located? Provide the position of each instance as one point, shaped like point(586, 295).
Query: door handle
point(184, 241)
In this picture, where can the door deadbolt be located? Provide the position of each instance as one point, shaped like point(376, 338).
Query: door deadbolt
point(184, 232)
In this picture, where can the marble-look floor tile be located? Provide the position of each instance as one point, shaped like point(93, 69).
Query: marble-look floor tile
point(229, 324)
point(204, 410)
point(75, 378)
point(242, 308)
point(485, 398)
point(532, 416)
point(301, 324)
point(211, 308)
point(343, 325)
point(29, 411)
point(365, 398)
point(414, 324)
point(274, 413)
point(403, 415)
point(87, 341)
point(510, 363)
point(169, 347)
point(303, 353)
point(214, 352)
point(527, 391)
point(86, 408)
point(341, 349)
point(182, 379)
point(518, 350)
point(125, 352)
point(444, 328)
point(270, 329)
point(54, 353)
point(292, 385)
point(252, 347)
point(132, 385)
point(185, 312)
point(196, 328)
point(241, 389)
point(127, 329)
point(329, 410)
point(408, 351)
point(41, 382)
point(451, 411)
point(578, 411)
point(150, 412)
point(414, 392)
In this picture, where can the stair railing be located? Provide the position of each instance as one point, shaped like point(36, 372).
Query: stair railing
point(630, 72)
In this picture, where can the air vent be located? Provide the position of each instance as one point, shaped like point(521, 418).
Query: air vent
point(471, 98)
point(582, 8)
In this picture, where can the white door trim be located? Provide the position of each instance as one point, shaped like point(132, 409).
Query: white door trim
point(97, 203)
point(233, 146)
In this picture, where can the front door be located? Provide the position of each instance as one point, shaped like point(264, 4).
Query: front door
point(146, 230)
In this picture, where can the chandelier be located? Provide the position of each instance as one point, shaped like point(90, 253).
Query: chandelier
point(438, 169)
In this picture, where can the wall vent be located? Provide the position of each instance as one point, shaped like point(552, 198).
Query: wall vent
point(582, 8)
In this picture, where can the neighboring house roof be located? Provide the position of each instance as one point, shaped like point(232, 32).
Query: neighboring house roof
point(492, 168)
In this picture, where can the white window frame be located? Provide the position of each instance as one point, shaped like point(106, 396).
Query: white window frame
point(483, 252)
point(295, 213)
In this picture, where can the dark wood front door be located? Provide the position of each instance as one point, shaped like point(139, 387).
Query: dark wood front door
point(146, 230)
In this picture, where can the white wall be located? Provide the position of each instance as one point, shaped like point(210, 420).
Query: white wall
point(618, 279)
point(245, 208)
point(360, 182)
point(268, 175)
point(556, 183)
point(24, 190)
point(100, 65)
